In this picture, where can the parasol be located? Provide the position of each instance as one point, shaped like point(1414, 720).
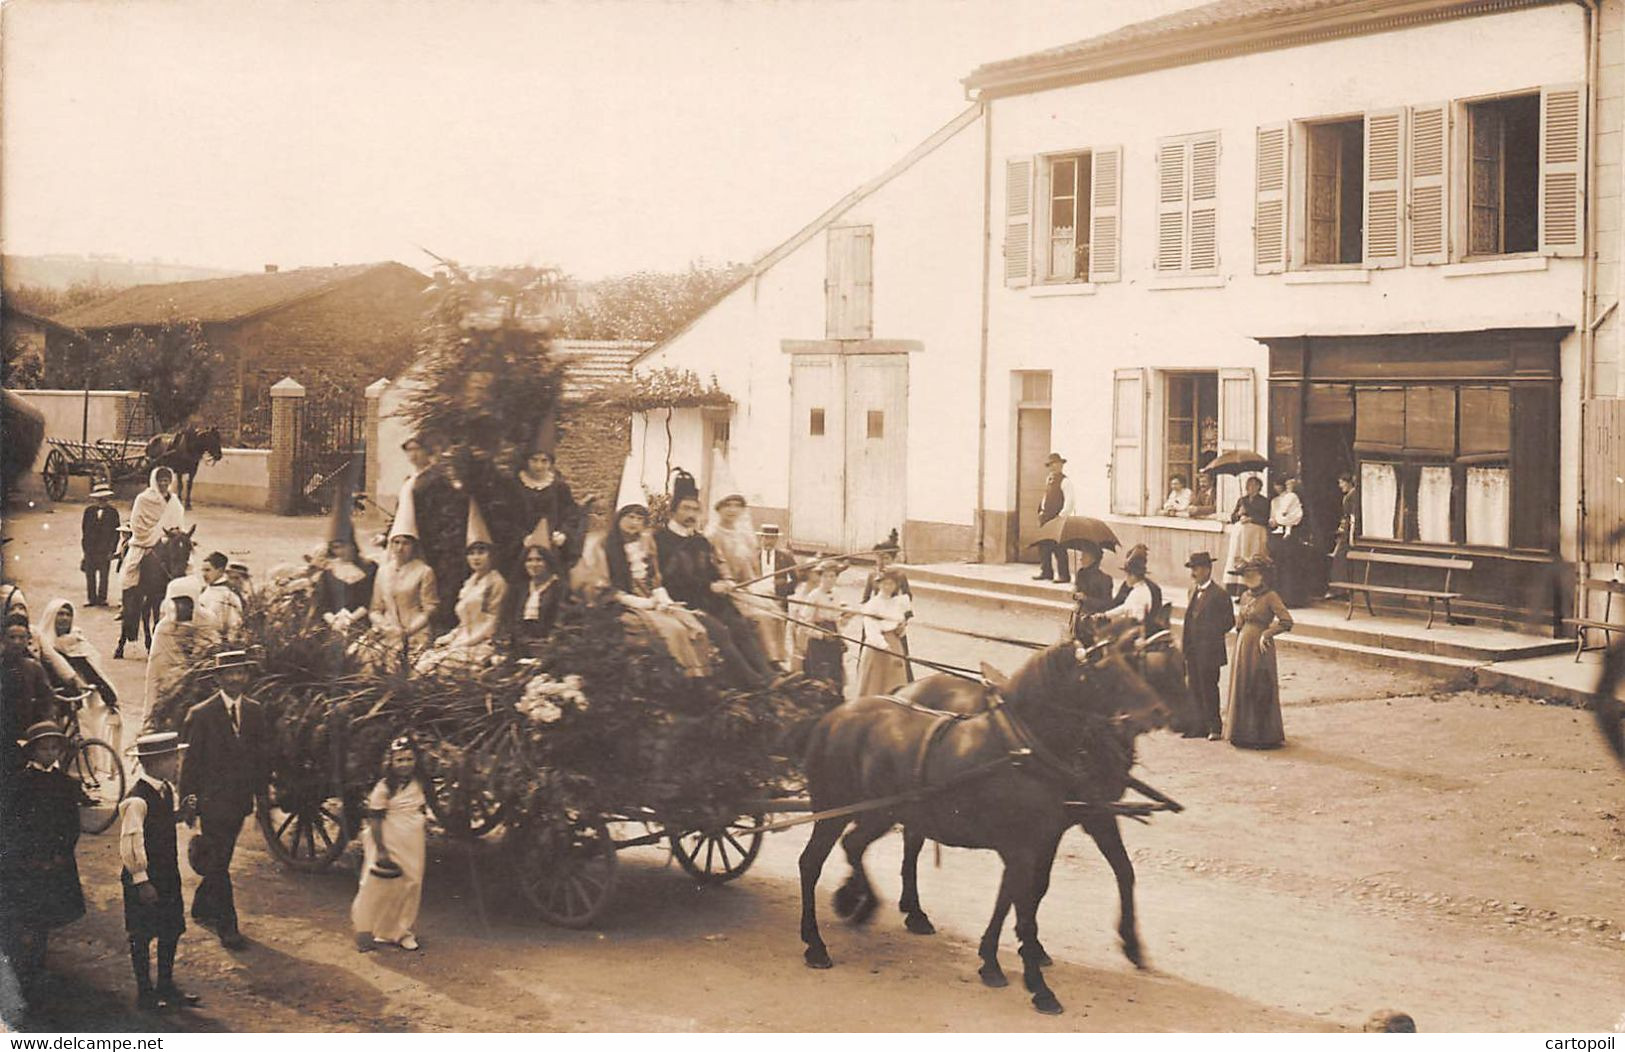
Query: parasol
point(1074, 530)
point(1237, 462)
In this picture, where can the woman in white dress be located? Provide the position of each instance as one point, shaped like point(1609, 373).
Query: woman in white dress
point(881, 665)
point(404, 599)
point(395, 846)
point(75, 663)
point(480, 603)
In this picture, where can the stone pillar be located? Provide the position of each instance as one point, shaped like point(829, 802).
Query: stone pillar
point(375, 393)
point(287, 398)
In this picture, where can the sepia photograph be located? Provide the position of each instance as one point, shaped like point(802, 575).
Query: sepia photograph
point(810, 517)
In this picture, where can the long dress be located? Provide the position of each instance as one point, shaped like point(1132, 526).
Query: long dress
point(881, 667)
point(553, 501)
point(1248, 535)
point(176, 645)
point(401, 594)
point(388, 906)
point(630, 570)
point(472, 642)
point(73, 658)
point(1254, 718)
point(821, 647)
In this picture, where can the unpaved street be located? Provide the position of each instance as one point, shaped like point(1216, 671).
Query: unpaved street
point(1459, 856)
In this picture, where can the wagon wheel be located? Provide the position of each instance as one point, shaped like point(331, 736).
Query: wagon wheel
point(304, 827)
point(718, 854)
point(55, 473)
point(567, 872)
point(460, 812)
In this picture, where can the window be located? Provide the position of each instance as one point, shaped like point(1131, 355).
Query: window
point(1069, 195)
point(1188, 204)
point(1335, 196)
point(1503, 178)
point(1190, 435)
point(877, 423)
point(815, 423)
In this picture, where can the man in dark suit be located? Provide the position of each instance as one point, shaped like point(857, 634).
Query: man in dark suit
point(440, 507)
point(227, 767)
point(98, 541)
point(688, 566)
point(1209, 617)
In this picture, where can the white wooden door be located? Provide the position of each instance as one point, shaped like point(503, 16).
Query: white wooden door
point(817, 450)
point(876, 447)
point(1032, 447)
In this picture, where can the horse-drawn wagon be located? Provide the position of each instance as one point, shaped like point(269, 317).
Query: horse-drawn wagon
point(101, 461)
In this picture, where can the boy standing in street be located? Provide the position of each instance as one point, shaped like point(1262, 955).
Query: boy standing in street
point(99, 540)
point(153, 907)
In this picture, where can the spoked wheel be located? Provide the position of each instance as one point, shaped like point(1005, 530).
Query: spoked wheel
point(460, 812)
point(718, 854)
point(55, 474)
point(99, 770)
point(304, 830)
point(567, 872)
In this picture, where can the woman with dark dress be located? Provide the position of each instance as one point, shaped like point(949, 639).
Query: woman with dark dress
point(1255, 694)
point(550, 505)
point(1249, 530)
point(40, 890)
point(539, 602)
point(347, 579)
point(1091, 588)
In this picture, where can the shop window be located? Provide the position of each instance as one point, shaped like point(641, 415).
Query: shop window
point(1503, 179)
point(1190, 429)
point(1336, 191)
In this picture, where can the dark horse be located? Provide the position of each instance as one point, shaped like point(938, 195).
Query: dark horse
point(166, 561)
point(180, 451)
point(1102, 766)
point(994, 780)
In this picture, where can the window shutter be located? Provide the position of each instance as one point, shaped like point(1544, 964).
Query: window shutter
point(861, 300)
point(1384, 172)
point(1562, 168)
point(835, 263)
point(1171, 205)
point(1269, 206)
point(1128, 441)
point(1238, 410)
point(1018, 222)
point(1204, 210)
point(1430, 177)
point(1105, 233)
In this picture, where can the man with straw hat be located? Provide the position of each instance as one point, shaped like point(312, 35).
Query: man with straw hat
point(38, 873)
point(153, 908)
point(227, 771)
point(98, 540)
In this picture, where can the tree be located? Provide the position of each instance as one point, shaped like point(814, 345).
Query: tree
point(48, 302)
point(24, 365)
point(173, 365)
point(648, 305)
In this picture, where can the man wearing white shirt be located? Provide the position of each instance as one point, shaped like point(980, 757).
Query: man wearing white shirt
point(1139, 597)
point(217, 604)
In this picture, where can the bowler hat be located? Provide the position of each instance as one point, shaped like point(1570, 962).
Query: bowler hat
point(1199, 559)
point(1055, 458)
point(241, 568)
point(42, 730)
point(163, 743)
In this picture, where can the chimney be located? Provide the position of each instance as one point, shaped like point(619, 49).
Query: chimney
point(270, 268)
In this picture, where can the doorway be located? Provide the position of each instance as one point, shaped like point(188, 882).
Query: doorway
point(1033, 421)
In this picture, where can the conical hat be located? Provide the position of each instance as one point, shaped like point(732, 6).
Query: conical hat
point(478, 531)
point(723, 486)
point(541, 536)
point(339, 525)
point(631, 491)
point(406, 516)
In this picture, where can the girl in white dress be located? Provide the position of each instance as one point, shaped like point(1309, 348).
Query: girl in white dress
point(395, 847)
point(881, 665)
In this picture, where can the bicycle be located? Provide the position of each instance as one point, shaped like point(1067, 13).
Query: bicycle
point(96, 766)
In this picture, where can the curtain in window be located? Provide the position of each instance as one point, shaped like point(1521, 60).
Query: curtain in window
point(1489, 506)
point(1379, 496)
point(1433, 504)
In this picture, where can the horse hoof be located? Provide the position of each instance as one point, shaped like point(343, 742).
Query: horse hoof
point(865, 910)
point(1135, 954)
point(847, 901)
point(1042, 958)
point(919, 924)
point(818, 959)
point(1047, 1004)
point(993, 976)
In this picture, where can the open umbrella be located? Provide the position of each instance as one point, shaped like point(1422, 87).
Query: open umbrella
point(1075, 530)
point(1237, 462)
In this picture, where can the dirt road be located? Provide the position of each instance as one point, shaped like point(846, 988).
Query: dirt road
point(1459, 856)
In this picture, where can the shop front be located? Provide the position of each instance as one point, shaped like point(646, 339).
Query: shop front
point(1452, 440)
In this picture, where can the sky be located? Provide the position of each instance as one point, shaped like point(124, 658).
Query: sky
point(602, 136)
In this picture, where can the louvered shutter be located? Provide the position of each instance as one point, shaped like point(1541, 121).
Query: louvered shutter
point(835, 283)
point(1384, 190)
point(1269, 206)
point(1562, 161)
point(1429, 189)
point(1105, 211)
point(1172, 205)
point(1018, 222)
point(860, 305)
point(1204, 211)
point(1128, 441)
point(1238, 411)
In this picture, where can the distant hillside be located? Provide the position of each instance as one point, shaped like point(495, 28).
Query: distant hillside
point(60, 272)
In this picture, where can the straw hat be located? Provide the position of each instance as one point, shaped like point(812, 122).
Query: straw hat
point(151, 746)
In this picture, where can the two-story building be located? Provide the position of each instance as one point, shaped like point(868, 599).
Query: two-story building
point(1352, 236)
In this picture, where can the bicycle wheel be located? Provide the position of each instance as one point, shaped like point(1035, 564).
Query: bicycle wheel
point(100, 773)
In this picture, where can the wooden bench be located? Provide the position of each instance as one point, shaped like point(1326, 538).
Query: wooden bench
point(1607, 624)
point(1367, 589)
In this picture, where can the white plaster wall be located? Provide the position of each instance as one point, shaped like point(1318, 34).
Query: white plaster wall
point(1082, 338)
point(242, 479)
point(65, 416)
point(927, 276)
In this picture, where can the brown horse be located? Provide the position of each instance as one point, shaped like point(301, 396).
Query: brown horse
point(1103, 768)
point(163, 564)
point(995, 780)
point(180, 452)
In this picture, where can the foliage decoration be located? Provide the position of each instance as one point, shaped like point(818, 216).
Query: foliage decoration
point(667, 388)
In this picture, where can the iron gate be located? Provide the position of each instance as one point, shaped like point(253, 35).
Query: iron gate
point(329, 443)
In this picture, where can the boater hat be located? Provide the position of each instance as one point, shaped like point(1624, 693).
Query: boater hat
point(149, 746)
point(771, 529)
point(101, 490)
point(232, 659)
